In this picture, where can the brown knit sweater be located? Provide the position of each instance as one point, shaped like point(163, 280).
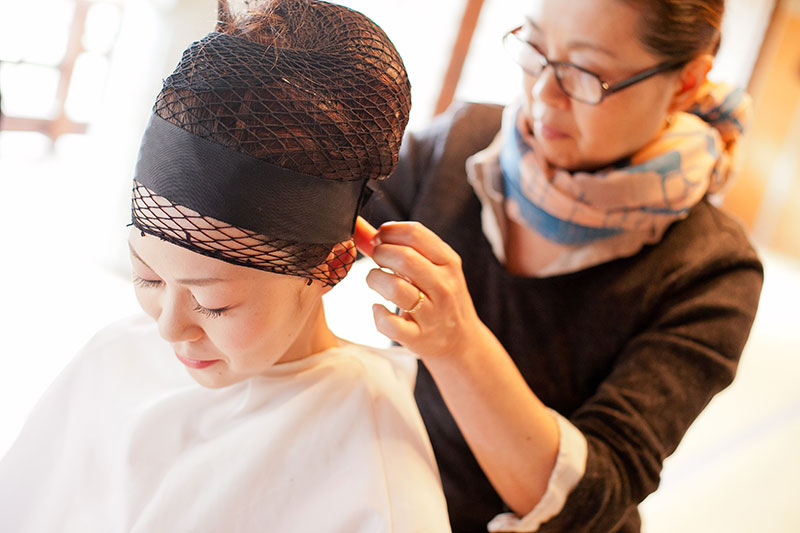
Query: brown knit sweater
point(630, 351)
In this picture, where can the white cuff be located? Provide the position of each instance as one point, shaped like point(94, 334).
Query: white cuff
point(569, 469)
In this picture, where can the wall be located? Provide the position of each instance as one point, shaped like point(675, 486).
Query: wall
point(766, 194)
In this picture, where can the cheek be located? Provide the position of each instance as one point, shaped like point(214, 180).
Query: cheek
point(272, 327)
point(616, 129)
point(527, 92)
point(252, 334)
point(148, 301)
point(261, 332)
point(600, 127)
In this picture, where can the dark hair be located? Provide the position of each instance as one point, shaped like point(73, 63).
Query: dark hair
point(680, 29)
point(328, 95)
point(310, 86)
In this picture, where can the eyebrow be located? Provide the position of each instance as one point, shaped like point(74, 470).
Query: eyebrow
point(198, 282)
point(577, 44)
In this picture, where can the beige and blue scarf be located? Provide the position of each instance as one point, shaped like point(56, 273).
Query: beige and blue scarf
point(614, 212)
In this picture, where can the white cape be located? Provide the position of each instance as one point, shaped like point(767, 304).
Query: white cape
point(125, 440)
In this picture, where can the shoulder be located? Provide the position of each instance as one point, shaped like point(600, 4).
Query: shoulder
point(377, 382)
point(108, 361)
point(126, 348)
point(136, 329)
point(404, 455)
point(128, 340)
point(434, 158)
point(479, 118)
point(708, 239)
point(84, 391)
point(464, 129)
point(703, 260)
point(382, 369)
point(703, 283)
point(726, 233)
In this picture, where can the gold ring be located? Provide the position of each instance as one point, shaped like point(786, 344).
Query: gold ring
point(417, 304)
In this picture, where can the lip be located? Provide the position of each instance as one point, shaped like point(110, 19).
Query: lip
point(195, 363)
point(549, 132)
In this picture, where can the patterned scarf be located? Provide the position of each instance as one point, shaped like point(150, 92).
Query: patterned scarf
point(610, 213)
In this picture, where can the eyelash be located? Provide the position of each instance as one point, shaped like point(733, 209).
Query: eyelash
point(210, 313)
point(146, 283)
point(152, 284)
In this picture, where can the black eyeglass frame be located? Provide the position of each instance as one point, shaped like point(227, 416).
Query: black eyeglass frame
point(605, 88)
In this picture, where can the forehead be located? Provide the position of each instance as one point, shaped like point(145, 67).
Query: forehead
point(610, 24)
point(171, 261)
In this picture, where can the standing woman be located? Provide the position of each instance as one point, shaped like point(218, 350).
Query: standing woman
point(588, 299)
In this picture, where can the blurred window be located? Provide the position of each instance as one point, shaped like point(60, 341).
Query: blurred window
point(53, 73)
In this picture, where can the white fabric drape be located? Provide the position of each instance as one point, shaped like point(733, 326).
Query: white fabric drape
point(125, 440)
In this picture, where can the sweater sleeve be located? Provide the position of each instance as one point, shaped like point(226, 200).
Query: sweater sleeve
point(664, 377)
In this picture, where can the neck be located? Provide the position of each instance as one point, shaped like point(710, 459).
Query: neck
point(527, 252)
point(316, 336)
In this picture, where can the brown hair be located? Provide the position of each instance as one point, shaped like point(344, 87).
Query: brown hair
point(680, 29)
point(306, 85)
point(325, 93)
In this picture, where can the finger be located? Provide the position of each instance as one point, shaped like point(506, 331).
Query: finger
point(397, 328)
point(363, 235)
point(416, 307)
point(407, 263)
point(417, 236)
point(393, 288)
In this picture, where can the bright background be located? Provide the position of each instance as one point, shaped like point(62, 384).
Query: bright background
point(64, 206)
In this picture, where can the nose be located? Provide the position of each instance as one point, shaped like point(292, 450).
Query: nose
point(176, 320)
point(546, 89)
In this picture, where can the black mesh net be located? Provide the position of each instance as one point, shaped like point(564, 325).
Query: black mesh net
point(180, 225)
point(308, 86)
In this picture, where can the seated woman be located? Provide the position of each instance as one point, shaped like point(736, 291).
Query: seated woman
point(232, 406)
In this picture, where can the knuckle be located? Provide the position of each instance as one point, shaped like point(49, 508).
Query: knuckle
point(416, 229)
point(385, 325)
point(392, 291)
point(378, 254)
point(403, 261)
point(449, 286)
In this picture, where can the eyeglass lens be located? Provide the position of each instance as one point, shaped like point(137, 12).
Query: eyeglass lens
point(575, 82)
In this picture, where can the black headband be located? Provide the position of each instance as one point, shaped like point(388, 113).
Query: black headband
point(244, 191)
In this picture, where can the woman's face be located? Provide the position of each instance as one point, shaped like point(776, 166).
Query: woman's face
point(225, 322)
point(600, 36)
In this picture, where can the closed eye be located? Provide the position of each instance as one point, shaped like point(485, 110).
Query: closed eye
point(146, 283)
point(210, 313)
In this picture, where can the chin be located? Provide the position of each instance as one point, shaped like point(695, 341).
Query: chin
point(561, 160)
point(570, 163)
point(213, 379)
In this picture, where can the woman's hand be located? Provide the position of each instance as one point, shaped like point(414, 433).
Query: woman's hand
point(497, 413)
point(364, 236)
point(422, 275)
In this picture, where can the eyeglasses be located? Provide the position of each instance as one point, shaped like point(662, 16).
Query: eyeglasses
point(576, 82)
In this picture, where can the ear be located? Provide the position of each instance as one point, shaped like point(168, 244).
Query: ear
point(339, 260)
point(693, 76)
